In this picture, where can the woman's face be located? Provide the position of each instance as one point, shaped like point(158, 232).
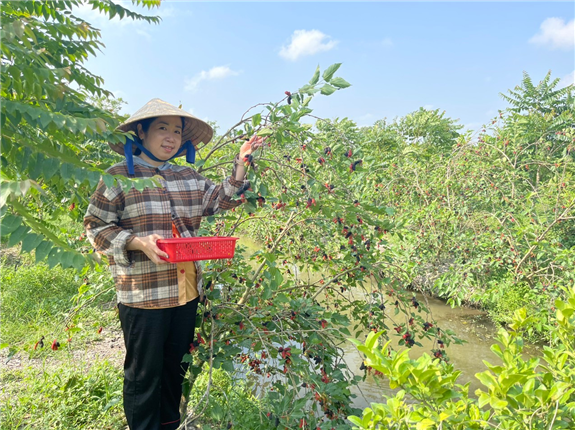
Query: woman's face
point(163, 138)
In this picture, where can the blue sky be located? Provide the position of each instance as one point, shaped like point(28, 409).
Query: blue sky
point(220, 58)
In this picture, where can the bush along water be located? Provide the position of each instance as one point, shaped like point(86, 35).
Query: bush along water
point(538, 393)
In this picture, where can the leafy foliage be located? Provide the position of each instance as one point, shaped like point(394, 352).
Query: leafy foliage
point(494, 212)
point(543, 98)
point(536, 393)
point(325, 267)
point(428, 130)
point(50, 126)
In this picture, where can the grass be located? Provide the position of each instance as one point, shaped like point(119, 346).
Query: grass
point(63, 398)
point(38, 301)
point(54, 389)
point(57, 390)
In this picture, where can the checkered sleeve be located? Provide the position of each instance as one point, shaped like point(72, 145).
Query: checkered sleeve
point(101, 223)
point(221, 197)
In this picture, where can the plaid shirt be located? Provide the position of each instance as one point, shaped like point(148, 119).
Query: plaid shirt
point(115, 215)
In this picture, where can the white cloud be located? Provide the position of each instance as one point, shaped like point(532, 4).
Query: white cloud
point(304, 42)
point(567, 80)
point(387, 42)
point(555, 33)
point(143, 33)
point(218, 72)
point(167, 12)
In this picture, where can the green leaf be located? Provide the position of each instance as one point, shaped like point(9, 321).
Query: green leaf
point(265, 132)
point(267, 292)
point(78, 262)
point(263, 190)
point(345, 331)
point(326, 90)
point(66, 259)
point(24, 187)
point(217, 412)
point(31, 241)
point(497, 403)
point(113, 402)
point(372, 337)
point(424, 424)
point(329, 72)
point(339, 83)
point(228, 366)
point(314, 80)
point(9, 224)
point(108, 180)
point(276, 277)
point(281, 298)
point(42, 250)
point(308, 89)
point(94, 178)
point(66, 171)
point(5, 192)
point(256, 119)
point(250, 206)
point(44, 119)
point(54, 257)
point(49, 167)
point(486, 379)
point(18, 235)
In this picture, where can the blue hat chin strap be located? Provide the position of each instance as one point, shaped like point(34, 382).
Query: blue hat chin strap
point(191, 152)
point(129, 146)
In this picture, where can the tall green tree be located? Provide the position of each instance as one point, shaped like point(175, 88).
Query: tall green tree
point(545, 97)
point(50, 122)
point(430, 130)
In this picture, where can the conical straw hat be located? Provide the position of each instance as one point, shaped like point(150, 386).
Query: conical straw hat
point(195, 129)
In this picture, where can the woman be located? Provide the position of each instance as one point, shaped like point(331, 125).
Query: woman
point(157, 300)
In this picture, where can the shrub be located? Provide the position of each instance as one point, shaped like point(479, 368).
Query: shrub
point(519, 394)
point(230, 401)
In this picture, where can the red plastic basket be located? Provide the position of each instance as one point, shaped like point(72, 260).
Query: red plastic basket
point(197, 248)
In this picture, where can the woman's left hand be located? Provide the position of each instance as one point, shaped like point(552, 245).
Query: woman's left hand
point(251, 146)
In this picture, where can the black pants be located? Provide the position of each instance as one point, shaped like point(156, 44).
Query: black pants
point(156, 340)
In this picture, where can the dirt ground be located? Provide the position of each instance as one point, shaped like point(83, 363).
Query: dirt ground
point(110, 347)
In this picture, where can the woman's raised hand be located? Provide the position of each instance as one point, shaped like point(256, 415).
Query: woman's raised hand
point(251, 146)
